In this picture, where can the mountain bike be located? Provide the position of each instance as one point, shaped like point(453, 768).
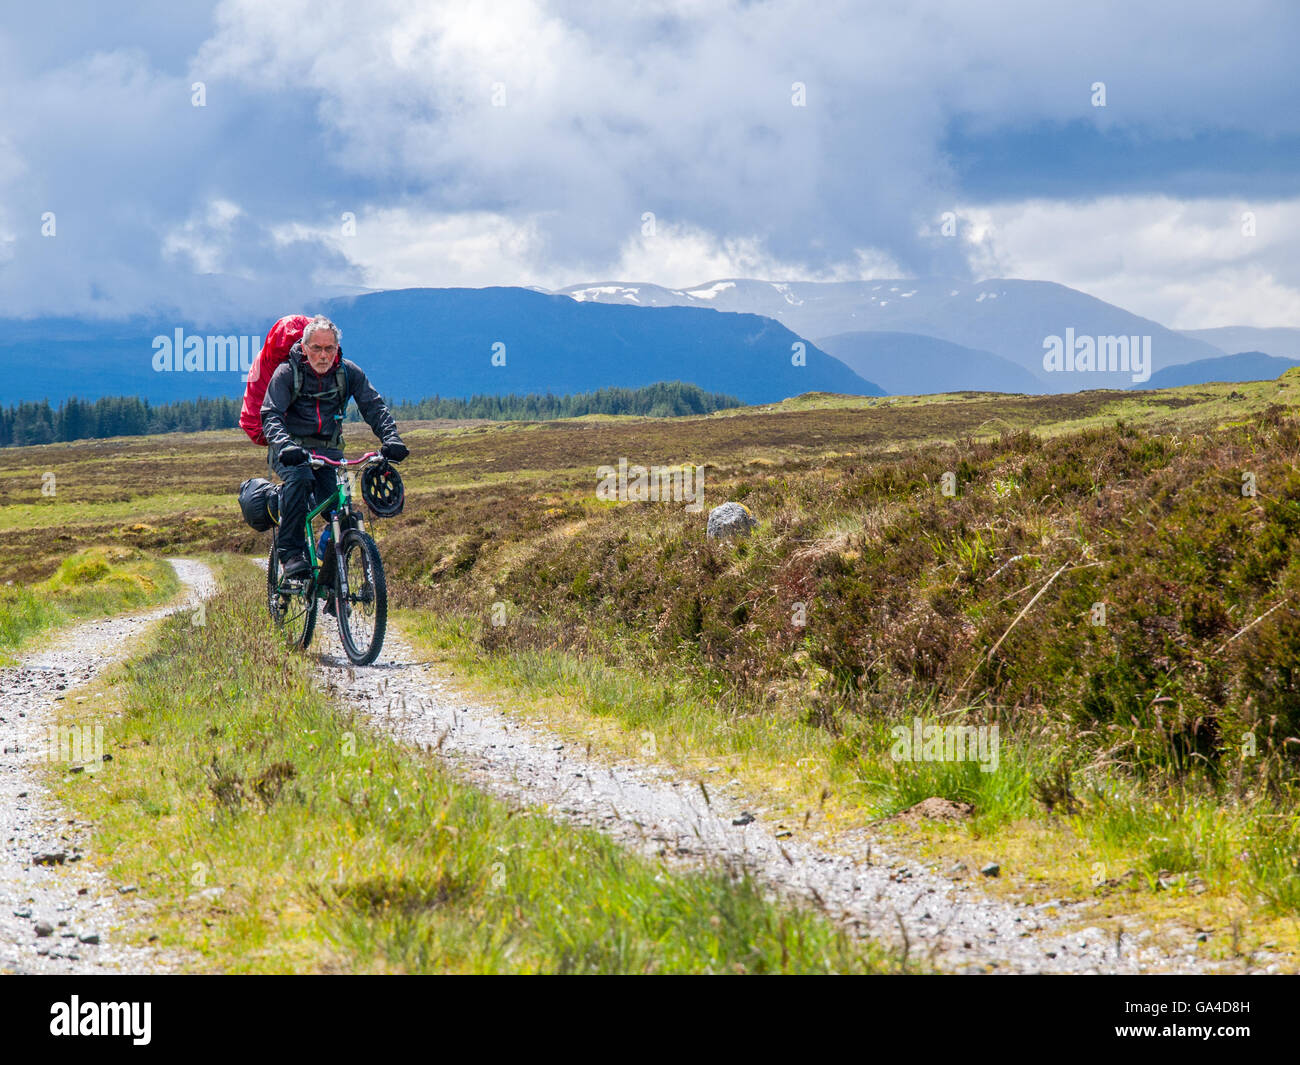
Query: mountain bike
point(355, 588)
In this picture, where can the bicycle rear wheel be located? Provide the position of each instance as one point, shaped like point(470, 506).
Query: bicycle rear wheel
point(292, 605)
point(363, 609)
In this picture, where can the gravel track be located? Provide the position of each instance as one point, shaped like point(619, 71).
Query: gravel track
point(57, 915)
point(63, 917)
point(946, 922)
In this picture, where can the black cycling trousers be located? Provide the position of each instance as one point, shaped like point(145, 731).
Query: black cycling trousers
point(303, 488)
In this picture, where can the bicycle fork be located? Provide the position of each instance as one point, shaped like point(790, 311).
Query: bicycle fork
point(358, 523)
point(340, 570)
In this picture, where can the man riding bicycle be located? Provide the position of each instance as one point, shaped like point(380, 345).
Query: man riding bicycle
point(303, 411)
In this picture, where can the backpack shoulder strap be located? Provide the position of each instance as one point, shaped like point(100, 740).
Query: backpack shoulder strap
point(340, 383)
point(341, 376)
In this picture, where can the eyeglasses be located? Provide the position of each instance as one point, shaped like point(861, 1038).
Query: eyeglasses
point(321, 349)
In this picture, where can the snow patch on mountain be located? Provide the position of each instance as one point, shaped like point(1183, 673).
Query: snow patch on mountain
point(584, 294)
point(712, 291)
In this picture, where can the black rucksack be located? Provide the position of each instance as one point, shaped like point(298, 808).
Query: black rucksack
point(259, 500)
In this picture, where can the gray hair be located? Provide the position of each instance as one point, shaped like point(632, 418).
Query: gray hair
point(321, 322)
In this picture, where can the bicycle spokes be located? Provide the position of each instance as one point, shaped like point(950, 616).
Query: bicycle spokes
point(292, 603)
point(362, 598)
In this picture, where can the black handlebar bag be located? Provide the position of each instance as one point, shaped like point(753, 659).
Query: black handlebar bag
point(259, 500)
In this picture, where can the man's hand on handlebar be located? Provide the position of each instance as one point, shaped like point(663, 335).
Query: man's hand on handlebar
point(293, 455)
point(395, 451)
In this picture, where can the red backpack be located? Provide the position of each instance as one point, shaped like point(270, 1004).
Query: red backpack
point(283, 335)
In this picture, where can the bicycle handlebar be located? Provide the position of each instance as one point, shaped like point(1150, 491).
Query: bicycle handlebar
point(316, 461)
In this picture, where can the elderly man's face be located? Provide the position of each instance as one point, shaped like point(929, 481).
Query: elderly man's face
point(321, 350)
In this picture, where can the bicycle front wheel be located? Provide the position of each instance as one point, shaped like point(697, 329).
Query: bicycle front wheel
point(361, 598)
point(292, 605)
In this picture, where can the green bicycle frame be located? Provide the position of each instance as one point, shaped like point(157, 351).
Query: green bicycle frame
point(341, 500)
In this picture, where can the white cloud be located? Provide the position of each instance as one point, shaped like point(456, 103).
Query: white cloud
point(204, 242)
point(680, 107)
point(406, 248)
point(1185, 263)
point(402, 248)
point(683, 256)
point(684, 109)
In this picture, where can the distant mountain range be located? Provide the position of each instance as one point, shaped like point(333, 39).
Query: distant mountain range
point(443, 340)
point(1244, 366)
point(451, 342)
point(757, 340)
point(1008, 318)
point(908, 364)
point(1282, 342)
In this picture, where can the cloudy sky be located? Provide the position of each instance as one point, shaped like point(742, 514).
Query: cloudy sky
point(525, 142)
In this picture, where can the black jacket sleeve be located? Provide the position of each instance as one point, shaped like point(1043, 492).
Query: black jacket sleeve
point(369, 402)
point(275, 405)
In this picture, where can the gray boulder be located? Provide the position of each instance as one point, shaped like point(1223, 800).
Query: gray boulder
point(730, 519)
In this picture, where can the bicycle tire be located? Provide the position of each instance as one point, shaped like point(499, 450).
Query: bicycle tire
point(297, 624)
point(367, 598)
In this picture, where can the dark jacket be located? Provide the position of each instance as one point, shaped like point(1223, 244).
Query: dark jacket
point(312, 413)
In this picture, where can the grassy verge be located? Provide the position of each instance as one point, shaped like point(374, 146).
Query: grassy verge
point(96, 582)
point(275, 832)
point(1190, 858)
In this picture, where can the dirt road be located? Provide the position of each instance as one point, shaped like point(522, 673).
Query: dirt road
point(948, 922)
point(56, 914)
